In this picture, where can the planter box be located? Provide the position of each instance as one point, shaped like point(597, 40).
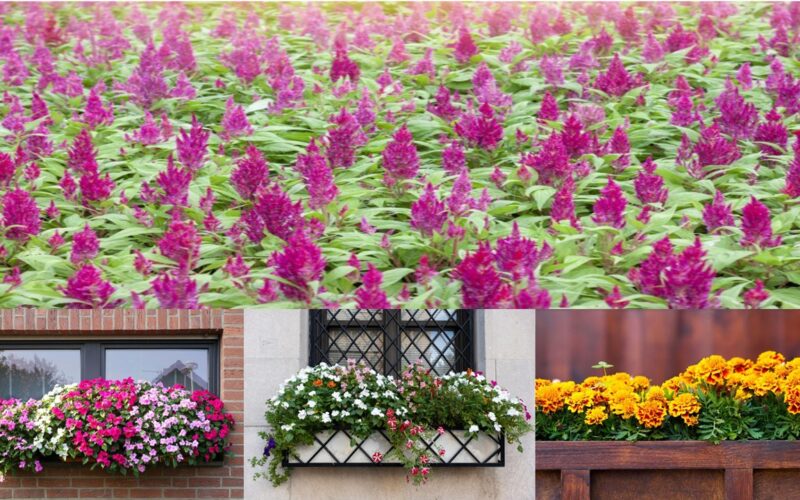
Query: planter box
point(666, 470)
point(338, 448)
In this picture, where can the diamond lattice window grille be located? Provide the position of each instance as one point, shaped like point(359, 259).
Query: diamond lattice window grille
point(388, 340)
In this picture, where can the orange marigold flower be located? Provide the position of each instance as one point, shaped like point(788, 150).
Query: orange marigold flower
point(766, 383)
point(713, 370)
point(684, 404)
point(691, 420)
point(318, 383)
point(596, 416)
point(541, 382)
point(768, 360)
point(580, 400)
point(739, 365)
point(656, 393)
point(624, 405)
point(640, 383)
point(331, 384)
point(548, 399)
point(651, 414)
point(791, 397)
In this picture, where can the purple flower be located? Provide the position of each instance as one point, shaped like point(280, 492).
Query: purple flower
point(234, 121)
point(82, 156)
point(684, 114)
point(147, 84)
point(737, 117)
point(653, 51)
point(481, 285)
point(551, 162)
point(85, 246)
point(343, 66)
point(277, 213)
point(236, 267)
point(717, 214)
point(175, 291)
point(609, 209)
point(453, 160)
point(370, 295)
point(250, 174)
point(485, 87)
point(96, 188)
point(181, 244)
point(400, 160)
point(89, 290)
point(428, 213)
point(465, 47)
point(481, 130)
point(755, 296)
point(757, 226)
point(193, 146)
point(550, 67)
point(174, 182)
point(519, 256)
point(149, 133)
point(343, 139)
point(20, 216)
point(549, 108)
point(616, 81)
point(318, 177)
point(300, 263)
point(648, 185)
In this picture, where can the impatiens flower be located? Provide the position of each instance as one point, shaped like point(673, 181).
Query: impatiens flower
point(616, 81)
point(300, 263)
point(318, 177)
point(192, 146)
point(481, 286)
point(755, 296)
point(400, 160)
point(648, 185)
point(20, 216)
point(482, 130)
point(250, 173)
point(465, 48)
point(343, 139)
point(757, 225)
point(370, 295)
point(89, 290)
point(234, 121)
point(85, 246)
point(609, 209)
point(428, 213)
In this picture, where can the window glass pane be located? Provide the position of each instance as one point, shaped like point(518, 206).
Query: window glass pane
point(434, 348)
point(358, 345)
point(361, 315)
point(32, 373)
point(423, 315)
point(187, 367)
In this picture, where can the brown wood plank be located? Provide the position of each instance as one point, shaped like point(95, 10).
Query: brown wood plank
point(773, 484)
point(611, 455)
point(658, 485)
point(738, 484)
point(575, 484)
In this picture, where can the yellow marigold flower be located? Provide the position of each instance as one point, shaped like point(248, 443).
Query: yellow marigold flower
point(624, 405)
point(713, 370)
point(691, 420)
point(684, 404)
point(794, 364)
point(739, 365)
point(792, 398)
point(673, 384)
point(596, 416)
point(549, 399)
point(580, 400)
point(766, 383)
point(541, 382)
point(640, 383)
point(651, 414)
point(656, 393)
point(768, 360)
point(743, 394)
point(591, 381)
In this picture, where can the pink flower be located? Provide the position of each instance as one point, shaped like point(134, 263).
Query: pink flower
point(519, 256)
point(738, 118)
point(549, 108)
point(465, 48)
point(443, 107)
point(8, 169)
point(616, 81)
point(609, 209)
point(343, 66)
point(550, 68)
point(234, 121)
point(453, 160)
point(481, 285)
point(755, 296)
point(619, 144)
point(343, 140)
point(744, 77)
point(236, 267)
point(757, 226)
point(82, 156)
point(88, 289)
point(149, 133)
point(85, 246)
point(318, 177)
point(576, 140)
point(713, 149)
point(648, 185)
point(147, 84)
point(551, 162)
point(174, 182)
point(175, 291)
point(400, 160)
point(95, 113)
point(424, 272)
point(481, 130)
point(614, 299)
point(193, 146)
point(13, 278)
point(563, 207)
point(181, 243)
point(428, 213)
point(277, 213)
point(370, 295)
point(771, 135)
point(300, 263)
point(96, 188)
point(250, 173)
point(717, 214)
point(20, 215)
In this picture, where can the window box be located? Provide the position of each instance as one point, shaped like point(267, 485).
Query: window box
point(341, 448)
point(579, 470)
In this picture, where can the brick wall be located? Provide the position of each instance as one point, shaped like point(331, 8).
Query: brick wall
point(75, 481)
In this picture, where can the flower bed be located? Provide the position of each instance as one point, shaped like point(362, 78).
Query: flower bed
point(213, 155)
point(119, 426)
point(344, 414)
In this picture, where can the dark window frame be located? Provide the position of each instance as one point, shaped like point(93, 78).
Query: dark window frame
point(93, 360)
point(391, 325)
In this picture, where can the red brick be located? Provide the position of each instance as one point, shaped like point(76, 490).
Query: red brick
point(146, 492)
point(95, 493)
point(29, 493)
point(213, 493)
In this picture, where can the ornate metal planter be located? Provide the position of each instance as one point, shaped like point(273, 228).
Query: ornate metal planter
point(340, 448)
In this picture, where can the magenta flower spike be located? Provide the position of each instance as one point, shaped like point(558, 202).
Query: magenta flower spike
point(89, 290)
point(85, 246)
point(757, 226)
point(465, 47)
point(400, 160)
point(648, 185)
point(250, 173)
point(609, 209)
point(481, 130)
point(428, 213)
point(370, 295)
point(317, 176)
point(192, 146)
point(21, 217)
point(616, 81)
point(343, 139)
point(234, 121)
point(520, 256)
point(300, 263)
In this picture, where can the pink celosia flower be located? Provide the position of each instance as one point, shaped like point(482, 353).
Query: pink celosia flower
point(465, 47)
point(428, 213)
point(737, 117)
point(13, 278)
point(370, 295)
point(549, 108)
point(236, 267)
point(20, 215)
point(755, 296)
point(277, 213)
point(453, 160)
point(713, 149)
point(300, 263)
point(56, 241)
point(609, 209)
point(147, 84)
point(181, 243)
point(317, 176)
point(532, 297)
point(619, 144)
point(648, 185)
point(563, 205)
point(792, 187)
point(424, 66)
point(551, 162)
point(343, 66)
point(481, 285)
point(424, 273)
point(183, 88)
point(85, 246)
point(250, 173)
point(628, 26)
point(89, 290)
point(142, 264)
point(343, 139)
point(193, 146)
point(485, 88)
point(616, 81)
point(519, 256)
point(8, 169)
point(482, 130)
point(744, 77)
point(234, 121)
point(95, 187)
point(443, 107)
point(717, 214)
point(550, 68)
point(268, 292)
point(614, 299)
point(95, 113)
point(149, 133)
point(576, 140)
point(400, 160)
point(174, 182)
point(771, 135)
point(175, 291)
point(757, 226)
point(82, 156)
point(652, 51)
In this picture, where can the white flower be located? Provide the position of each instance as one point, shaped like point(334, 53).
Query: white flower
point(302, 415)
point(376, 412)
point(335, 413)
point(497, 427)
point(312, 404)
point(512, 412)
point(492, 416)
point(326, 417)
point(473, 429)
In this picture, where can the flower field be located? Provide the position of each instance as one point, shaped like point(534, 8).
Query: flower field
point(715, 400)
point(123, 427)
point(384, 155)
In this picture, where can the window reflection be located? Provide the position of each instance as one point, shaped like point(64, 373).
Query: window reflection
point(26, 374)
point(186, 367)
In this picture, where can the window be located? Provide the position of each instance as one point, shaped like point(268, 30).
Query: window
point(31, 369)
point(388, 340)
